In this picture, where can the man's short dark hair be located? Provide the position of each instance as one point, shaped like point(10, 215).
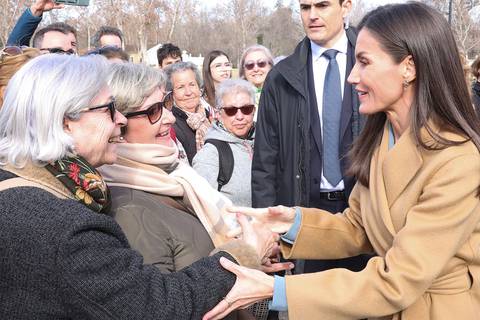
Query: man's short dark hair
point(105, 31)
point(58, 27)
point(168, 50)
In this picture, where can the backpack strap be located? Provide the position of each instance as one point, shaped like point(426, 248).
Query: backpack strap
point(225, 161)
point(21, 182)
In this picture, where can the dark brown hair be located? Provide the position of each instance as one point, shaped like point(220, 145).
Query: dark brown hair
point(209, 86)
point(476, 68)
point(441, 94)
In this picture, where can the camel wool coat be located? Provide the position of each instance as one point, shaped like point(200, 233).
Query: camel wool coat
point(421, 216)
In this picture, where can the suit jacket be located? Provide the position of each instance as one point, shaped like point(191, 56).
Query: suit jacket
point(281, 170)
point(421, 216)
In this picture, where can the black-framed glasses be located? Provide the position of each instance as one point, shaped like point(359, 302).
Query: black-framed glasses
point(246, 110)
point(110, 106)
point(58, 51)
point(249, 65)
point(155, 111)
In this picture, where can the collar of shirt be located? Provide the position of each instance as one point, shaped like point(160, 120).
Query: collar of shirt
point(341, 46)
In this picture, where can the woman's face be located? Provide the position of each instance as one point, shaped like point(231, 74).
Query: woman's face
point(141, 130)
point(186, 91)
point(220, 69)
point(238, 123)
point(95, 134)
point(378, 79)
point(256, 68)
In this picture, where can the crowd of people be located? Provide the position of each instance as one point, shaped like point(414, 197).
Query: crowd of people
point(339, 182)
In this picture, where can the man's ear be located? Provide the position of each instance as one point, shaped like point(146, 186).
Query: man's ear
point(346, 8)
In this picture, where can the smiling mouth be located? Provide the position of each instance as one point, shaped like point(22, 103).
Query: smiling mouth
point(116, 139)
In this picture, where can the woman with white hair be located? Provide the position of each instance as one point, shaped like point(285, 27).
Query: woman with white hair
point(233, 134)
point(62, 256)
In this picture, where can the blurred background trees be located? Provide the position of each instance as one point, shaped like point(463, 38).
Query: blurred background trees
point(231, 25)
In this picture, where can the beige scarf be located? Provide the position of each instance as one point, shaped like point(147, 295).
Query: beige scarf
point(155, 168)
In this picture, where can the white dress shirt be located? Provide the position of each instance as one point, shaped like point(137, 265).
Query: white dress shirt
point(320, 65)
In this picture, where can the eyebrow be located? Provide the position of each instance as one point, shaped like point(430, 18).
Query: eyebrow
point(360, 54)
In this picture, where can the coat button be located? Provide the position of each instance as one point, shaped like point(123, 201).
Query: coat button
point(297, 176)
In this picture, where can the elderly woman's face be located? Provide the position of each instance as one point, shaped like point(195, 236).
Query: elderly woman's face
point(237, 113)
point(140, 129)
point(186, 91)
point(220, 69)
point(95, 134)
point(256, 68)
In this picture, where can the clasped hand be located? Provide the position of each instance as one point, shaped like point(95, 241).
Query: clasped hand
point(253, 285)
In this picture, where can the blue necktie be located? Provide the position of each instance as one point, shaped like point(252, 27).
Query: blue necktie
point(332, 108)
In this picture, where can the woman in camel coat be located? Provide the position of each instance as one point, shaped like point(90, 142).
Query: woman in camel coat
point(416, 204)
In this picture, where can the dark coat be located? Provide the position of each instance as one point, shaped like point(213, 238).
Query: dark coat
point(476, 96)
point(167, 237)
point(281, 162)
point(60, 260)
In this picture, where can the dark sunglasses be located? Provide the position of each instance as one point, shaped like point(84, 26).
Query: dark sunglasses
point(59, 51)
point(246, 110)
point(104, 49)
point(12, 51)
point(110, 106)
point(155, 111)
point(251, 64)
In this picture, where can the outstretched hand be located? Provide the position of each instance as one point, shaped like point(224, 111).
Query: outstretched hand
point(278, 219)
point(251, 286)
point(41, 6)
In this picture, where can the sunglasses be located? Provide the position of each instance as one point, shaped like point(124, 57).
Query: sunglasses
point(251, 64)
point(155, 111)
point(104, 49)
point(59, 51)
point(246, 110)
point(110, 106)
point(11, 51)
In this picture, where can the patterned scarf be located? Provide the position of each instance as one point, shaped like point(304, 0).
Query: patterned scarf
point(85, 183)
point(198, 122)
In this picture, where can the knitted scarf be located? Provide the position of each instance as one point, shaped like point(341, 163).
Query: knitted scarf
point(155, 168)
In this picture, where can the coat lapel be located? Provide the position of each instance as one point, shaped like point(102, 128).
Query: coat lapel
point(400, 165)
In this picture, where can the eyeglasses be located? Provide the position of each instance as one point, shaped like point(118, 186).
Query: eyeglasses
point(224, 65)
point(105, 49)
point(11, 51)
point(59, 51)
point(110, 106)
point(251, 64)
point(155, 111)
point(246, 110)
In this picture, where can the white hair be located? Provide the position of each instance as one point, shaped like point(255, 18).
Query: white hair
point(38, 98)
point(230, 86)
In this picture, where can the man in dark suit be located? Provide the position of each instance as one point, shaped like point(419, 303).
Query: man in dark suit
point(308, 119)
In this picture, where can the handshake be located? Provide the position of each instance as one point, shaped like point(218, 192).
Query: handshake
point(262, 234)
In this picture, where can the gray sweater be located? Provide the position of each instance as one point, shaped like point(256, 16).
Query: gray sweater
point(206, 163)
